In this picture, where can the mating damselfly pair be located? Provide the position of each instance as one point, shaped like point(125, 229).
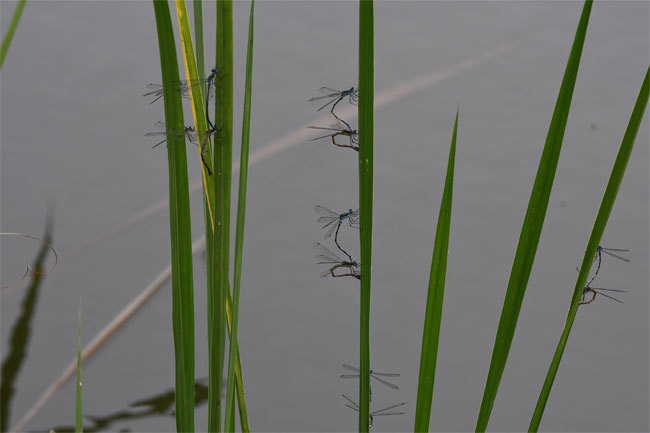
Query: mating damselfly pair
point(338, 127)
point(157, 91)
point(333, 220)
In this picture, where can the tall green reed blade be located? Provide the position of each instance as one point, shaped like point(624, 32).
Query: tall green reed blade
point(78, 419)
point(532, 226)
point(197, 8)
point(239, 230)
point(180, 227)
point(606, 205)
point(11, 30)
point(196, 97)
point(366, 163)
point(433, 316)
point(241, 402)
point(220, 243)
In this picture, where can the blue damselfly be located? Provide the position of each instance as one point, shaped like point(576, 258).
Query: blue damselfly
point(156, 90)
point(381, 412)
point(336, 96)
point(374, 374)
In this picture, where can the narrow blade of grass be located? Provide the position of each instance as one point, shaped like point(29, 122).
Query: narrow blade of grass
point(197, 8)
point(606, 205)
point(433, 315)
point(532, 226)
point(11, 30)
point(222, 178)
point(78, 419)
point(239, 230)
point(366, 164)
point(180, 227)
point(241, 402)
point(196, 97)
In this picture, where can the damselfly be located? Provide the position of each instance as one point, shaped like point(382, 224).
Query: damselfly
point(339, 128)
point(330, 258)
point(598, 291)
point(598, 257)
point(381, 412)
point(209, 83)
point(156, 90)
point(333, 219)
point(336, 96)
point(374, 374)
point(189, 132)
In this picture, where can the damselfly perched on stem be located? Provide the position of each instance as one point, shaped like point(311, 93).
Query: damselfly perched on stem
point(598, 258)
point(598, 291)
point(209, 82)
point(189, 132)
point(333, 219)
point(374, 374)
point(339, 128)
point(381, 412)
point(336, 96)
point(156, 90)
point(330, 258)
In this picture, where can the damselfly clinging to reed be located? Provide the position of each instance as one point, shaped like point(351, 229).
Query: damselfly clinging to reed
point(209, 82)
point(188, 132)
point(339, 128)
point(350, 268)
point(381, 412)
point(598, 258)
point(374, 374)
point(156, 90)
point(333, 219)
point(597, 291)
point(336, 96)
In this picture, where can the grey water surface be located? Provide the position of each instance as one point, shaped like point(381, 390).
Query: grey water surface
point(73, 125)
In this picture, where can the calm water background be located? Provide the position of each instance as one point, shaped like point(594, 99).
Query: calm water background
point(72, 133)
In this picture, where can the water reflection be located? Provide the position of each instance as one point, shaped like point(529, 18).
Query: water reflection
point(156, 405)
point(21, 331)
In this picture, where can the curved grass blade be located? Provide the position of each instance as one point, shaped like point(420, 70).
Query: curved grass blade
point(197, 8)
point(11, 30)
point(366, 168)
point(78, 419)
point(433, 316)
point(606, 205)
point(532, 226)
point(180, 227)
point(239, 230)
point(198, 109)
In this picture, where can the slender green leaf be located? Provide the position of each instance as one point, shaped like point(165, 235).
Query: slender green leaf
point(197, 8)
point(433, 316)
point(366, 164)
point(532, 226)
point(11, 30)
point(180, 227)
point(239, 230)
point(78, 419)
point(241, 402)
point(222, 178)
point(606, 205)
point(198, 109)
